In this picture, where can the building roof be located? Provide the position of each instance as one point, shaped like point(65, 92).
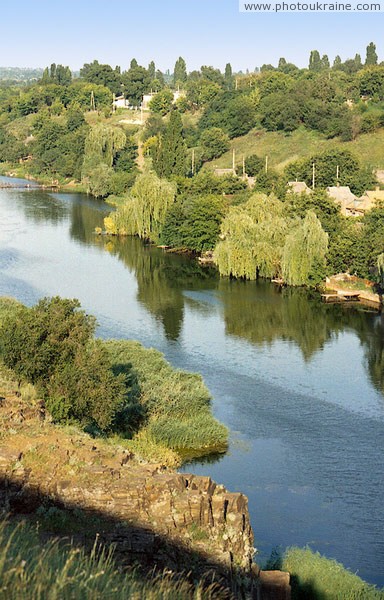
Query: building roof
point(341, 193)
point(298, 187)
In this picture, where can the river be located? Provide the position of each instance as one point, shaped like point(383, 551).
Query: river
point(299, 383)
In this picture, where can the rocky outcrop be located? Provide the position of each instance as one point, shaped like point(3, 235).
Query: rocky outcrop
point(158, 517)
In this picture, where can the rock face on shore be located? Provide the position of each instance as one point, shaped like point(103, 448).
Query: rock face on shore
point(153, 516)
point(153, 513)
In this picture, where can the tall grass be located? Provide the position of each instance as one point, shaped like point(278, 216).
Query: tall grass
point(314, 577)
point(34, 570)
point(177, 403)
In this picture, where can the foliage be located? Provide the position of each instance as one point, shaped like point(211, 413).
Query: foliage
point(161, 103)
point(332, 167)
point(303, 260)
point(171, 153)
point(101, 146)
point(179, 72)
point(252, 239)
point(194, 223)
point(31, 567)
point(50, 345)
point(144, 210)
point(102, 75)
point(177, 403)
point(214, 142)
point(319, 578)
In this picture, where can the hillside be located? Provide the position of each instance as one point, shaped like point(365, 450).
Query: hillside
point(282, 148)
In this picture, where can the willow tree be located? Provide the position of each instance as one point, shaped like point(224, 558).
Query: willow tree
point(143, 212)
point(380, 268)
point(252, 239)
point(101, 146)
point(303, 260)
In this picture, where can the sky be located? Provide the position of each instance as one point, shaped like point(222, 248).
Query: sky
point(204, 32)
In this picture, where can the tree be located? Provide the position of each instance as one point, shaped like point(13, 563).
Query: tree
point(152, 70)
point(337, 62)
point(315, 61)
point(214, 142)
point(102, 75)
point(179, 72)
point(50, 345)
point(161, 103)
point(228, 77)
point(143, 213)
point(194, 223)
point(101, 146)
point(171, 154)
point(254, 165)
point(252, 239)
point(371, 56)
point(136, 82)
point(305, 248)
point(325, 64)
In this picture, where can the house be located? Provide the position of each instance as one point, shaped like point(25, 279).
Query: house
point(120, 102)
point(148, 97)
point(298, 187)
point(343, 196)
point(370, 197)
point(223, 172)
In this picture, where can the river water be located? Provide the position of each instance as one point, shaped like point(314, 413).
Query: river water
point(299, 383)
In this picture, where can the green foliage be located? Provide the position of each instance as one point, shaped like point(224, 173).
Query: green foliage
point(177, 403)
point(101, 146)
point(214, 142)
point(161, 103)
point(371, 56)
point(171, 153)
point(252, 239)
point(137, 82)
point(349, 172)
point(258, 239)
point(32, 568)
point(179, 72)
point(194, 223)
point(102, 75)
point(57, 74)
point(303, 260)
point(50, 345)
point(143, 213)
point(318, 578)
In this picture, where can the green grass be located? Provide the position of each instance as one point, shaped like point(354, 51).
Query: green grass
point(314, 577)
point(33, 569)
point(177, 403)
point(282, 149)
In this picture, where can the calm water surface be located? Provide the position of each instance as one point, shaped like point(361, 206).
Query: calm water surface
point(299, 383)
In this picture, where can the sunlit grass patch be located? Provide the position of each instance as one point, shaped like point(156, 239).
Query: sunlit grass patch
point(318, 578)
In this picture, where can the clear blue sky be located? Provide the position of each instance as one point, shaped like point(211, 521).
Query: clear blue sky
point(213, 32)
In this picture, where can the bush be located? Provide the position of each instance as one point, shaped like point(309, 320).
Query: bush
point(51, 346)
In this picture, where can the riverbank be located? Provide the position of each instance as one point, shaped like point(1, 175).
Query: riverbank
point(21, 172)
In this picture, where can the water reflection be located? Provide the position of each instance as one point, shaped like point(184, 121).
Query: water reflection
point(161, 279)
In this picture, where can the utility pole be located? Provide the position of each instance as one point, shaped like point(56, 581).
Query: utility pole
point(233, 159)
point(266, 164)
point(93, 106)
point(313, 176)
point(337, 174)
